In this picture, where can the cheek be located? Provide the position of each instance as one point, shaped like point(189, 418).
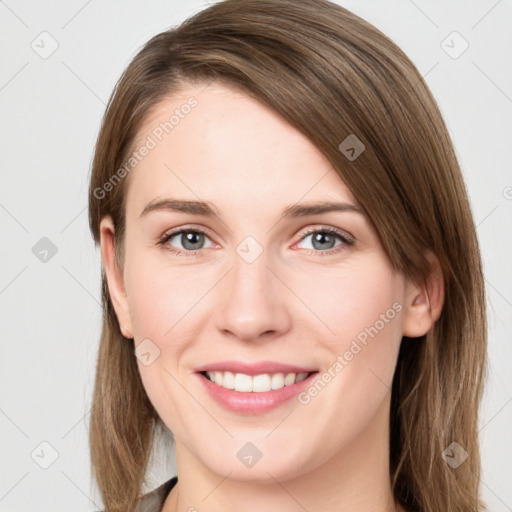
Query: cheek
point(374, 320)
point(350, 301)
point(371, 309)
point(160, 305)
point(161, 299)
point(363, 308)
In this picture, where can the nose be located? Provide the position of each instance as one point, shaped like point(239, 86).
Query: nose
point(252, 303)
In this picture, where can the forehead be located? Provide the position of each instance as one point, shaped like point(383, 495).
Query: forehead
point(219, 144)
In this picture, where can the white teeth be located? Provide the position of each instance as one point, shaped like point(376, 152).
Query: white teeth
point(242, 382)
point(227, 380)
point(257, 383)
point(289, 379)
point(277, 381)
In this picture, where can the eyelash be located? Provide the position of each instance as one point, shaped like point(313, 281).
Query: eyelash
point(347, 241)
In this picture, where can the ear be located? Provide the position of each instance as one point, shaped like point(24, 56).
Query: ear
point(114, 276)
point(424, 301)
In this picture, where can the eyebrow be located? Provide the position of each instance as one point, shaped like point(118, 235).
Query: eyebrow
point(209, 210)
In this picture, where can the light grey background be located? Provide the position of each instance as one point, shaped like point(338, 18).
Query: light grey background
point(51, 110)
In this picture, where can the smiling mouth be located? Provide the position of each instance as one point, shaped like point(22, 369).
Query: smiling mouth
point(261, 383)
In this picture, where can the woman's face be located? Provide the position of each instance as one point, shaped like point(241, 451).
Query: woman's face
point(263, 280)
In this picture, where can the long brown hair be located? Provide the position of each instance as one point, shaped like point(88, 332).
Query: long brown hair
point(331, 75)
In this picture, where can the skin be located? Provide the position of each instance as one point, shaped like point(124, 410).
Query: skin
point(288, 305)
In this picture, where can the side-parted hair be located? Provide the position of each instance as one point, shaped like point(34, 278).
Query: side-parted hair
point(331, 75)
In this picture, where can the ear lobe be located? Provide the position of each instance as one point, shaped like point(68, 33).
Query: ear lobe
point(114, 276)
point(424, 301)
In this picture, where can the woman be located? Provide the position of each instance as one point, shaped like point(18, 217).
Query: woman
point(292, 281)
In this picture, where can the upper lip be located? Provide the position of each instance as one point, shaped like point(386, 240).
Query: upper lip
point(254, 368)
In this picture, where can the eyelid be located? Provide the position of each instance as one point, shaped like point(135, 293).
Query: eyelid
point(187, 227)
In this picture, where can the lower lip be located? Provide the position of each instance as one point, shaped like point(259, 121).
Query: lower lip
point(252, 402)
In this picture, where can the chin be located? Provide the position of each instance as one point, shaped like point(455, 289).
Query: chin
point(264, 470)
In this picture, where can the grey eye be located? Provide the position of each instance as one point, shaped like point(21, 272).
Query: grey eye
point(322, 240)
point(190, 240)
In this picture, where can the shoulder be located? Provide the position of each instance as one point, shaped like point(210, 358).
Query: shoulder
point(154, 500)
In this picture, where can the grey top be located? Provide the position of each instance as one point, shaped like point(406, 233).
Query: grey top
point(154, 500)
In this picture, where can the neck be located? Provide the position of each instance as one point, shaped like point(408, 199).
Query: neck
point(353, 479)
